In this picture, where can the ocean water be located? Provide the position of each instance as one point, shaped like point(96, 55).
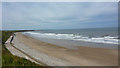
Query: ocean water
point(95, 37)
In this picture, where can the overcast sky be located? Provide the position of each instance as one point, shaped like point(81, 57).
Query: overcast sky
point(67, 15)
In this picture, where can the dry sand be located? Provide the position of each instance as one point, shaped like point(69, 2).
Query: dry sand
point(84, 56)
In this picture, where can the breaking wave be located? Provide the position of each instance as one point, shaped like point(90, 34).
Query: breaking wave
point(76, 37)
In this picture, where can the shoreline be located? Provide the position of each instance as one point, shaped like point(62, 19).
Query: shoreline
point(84, 56)
point(68, 43)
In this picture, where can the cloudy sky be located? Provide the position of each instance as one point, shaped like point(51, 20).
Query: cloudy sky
point(59, 15)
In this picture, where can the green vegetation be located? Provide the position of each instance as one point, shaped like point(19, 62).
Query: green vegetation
point(0, 49)
point(8, 59)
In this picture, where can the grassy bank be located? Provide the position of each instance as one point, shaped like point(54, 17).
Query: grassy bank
point(8, 59)
point(0, 48)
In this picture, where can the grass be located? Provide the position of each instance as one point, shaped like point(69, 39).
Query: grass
point(10, 60)
point(0, 55)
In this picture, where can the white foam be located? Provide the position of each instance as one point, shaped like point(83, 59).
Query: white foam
point(76, 37)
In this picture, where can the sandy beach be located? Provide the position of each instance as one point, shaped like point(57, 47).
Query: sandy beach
point(83, 56)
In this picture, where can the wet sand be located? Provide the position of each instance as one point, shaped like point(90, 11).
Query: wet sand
point(83, 56)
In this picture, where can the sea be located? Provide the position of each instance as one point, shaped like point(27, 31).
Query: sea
point(72, 38)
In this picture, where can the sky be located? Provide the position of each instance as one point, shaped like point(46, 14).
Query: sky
point(58, 15)
point(0, 16)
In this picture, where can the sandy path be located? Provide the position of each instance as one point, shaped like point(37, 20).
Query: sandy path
point(84, 56)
